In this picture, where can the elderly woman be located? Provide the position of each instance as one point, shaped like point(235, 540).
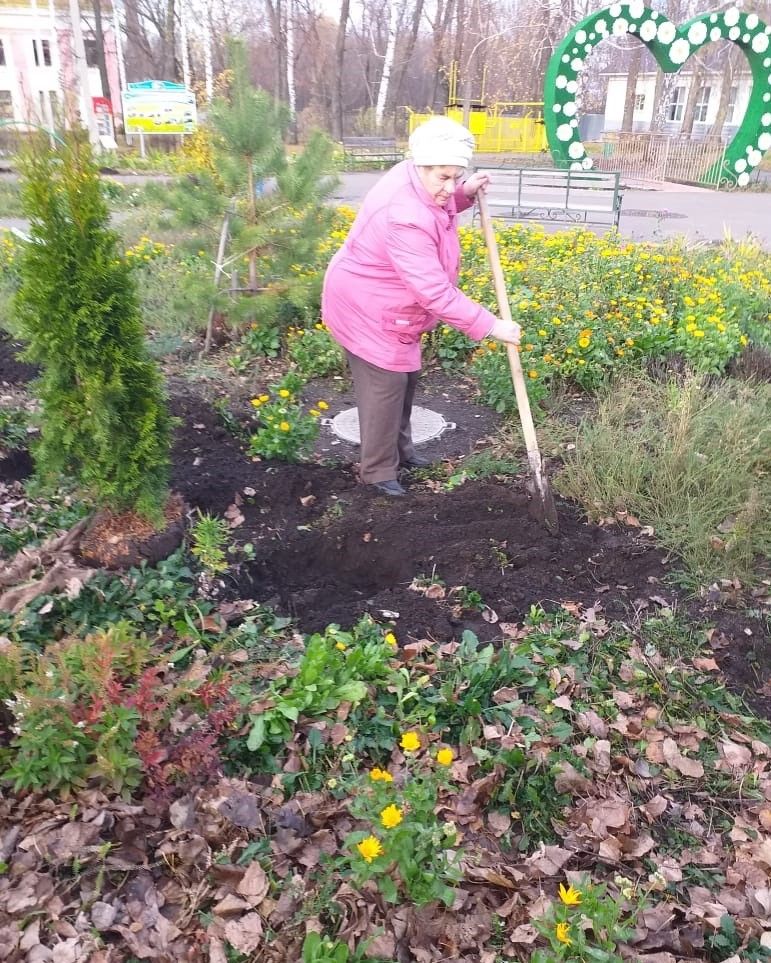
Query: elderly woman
point(394, 278)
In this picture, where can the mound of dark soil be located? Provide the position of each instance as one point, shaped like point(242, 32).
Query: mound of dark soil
point(13, 371)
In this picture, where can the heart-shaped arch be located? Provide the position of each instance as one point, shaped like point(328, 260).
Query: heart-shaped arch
point(671, 46)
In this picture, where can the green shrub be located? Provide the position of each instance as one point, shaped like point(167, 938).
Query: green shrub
point(314, 352)
point(692, 458)
point(104, 418)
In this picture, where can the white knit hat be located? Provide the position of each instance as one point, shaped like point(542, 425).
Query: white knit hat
point(441, 142)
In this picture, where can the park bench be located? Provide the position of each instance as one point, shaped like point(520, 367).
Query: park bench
point(371, 152)
point(542, 194)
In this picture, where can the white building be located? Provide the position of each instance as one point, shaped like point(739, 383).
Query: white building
point(707, 102)
point(37, 63)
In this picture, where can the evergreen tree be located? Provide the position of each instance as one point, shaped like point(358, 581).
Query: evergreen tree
point(104, 415)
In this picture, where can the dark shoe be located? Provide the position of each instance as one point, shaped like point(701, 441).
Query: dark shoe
point(389, 488)
point(416, 462)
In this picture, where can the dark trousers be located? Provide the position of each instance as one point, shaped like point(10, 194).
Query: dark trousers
point(384, 399)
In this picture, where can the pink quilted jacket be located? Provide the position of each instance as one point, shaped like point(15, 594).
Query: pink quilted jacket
point(395, 276)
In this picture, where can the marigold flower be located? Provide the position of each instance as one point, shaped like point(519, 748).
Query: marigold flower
point(264, 398)
point(391, 816)
point(256, 402)
point(532, 374)
point(444, 757)
point(370, 848)
point(562, 931)
point(569, 895)
point(283, 393)
point(380, 775)
point(583, 342)
point(341, 646)
point(410, 742)
point(285, 426)
point(390, 638)
point(322, 404)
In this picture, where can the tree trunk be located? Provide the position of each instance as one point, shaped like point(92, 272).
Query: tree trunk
point(337, 87)
point(290, 84)
point(169, 42)
point(388, 62)
point(99, 39)
point(441, 25)
point(729, 72)
point(686, 128)
point(409, 50)
point(631, 86)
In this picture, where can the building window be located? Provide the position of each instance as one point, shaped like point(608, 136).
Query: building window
point(6, 105)
point(676, 104)
point(91, 55)
point(2, 54)
point(733, 95)
point(639, 101)
point(702, 105)
point(41, 51)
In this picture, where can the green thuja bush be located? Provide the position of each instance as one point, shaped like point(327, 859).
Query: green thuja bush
point(104, 416)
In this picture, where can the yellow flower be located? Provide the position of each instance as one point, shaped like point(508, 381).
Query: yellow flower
point(532, 374)
point(283, 393)
point(698, 333)
point(264, 398)
point(444, 757)
point(380, 775)
point(410, 742)
point(583, 342)
point(323, 405)
point(370, 848)
point(390, 638)
point(341, 646)
point(569, 895)
point(561, 931)
point(316, 414)
point(285, 426)
point(256, 402)
point(391, 816)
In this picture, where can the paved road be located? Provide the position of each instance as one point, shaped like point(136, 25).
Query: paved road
point(652, 215)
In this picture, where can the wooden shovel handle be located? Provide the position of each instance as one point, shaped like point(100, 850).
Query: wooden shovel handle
point(517, 376)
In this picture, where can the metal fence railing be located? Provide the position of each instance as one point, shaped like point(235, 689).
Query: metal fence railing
point(663, 157)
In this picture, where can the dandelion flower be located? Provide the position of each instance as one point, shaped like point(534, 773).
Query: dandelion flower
point(561, 932)
point(390, 638)
point(569, 895)
point(391, 816)
point(532, 374)
point(583, 342)
point(285, 426)
point(380, 775)
point(264, 398)
point(410, 742)
point(323, 405)
point(283, 393)
point(444, 757)
point(256, 402)
point(370, 848)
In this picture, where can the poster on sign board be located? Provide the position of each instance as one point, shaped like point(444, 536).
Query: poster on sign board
point(159, 107)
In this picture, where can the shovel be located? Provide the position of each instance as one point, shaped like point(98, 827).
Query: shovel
point(543, 502)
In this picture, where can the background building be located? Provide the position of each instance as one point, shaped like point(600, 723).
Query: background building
point(38, 67)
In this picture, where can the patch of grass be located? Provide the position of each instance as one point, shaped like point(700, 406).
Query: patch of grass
point(692, 458)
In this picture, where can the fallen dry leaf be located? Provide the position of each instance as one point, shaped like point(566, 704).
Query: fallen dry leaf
point(692, 768)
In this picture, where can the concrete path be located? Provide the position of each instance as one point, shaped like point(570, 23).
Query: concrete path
point(653, 215)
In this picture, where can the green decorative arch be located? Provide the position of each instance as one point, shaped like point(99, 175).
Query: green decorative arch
point(671, 46)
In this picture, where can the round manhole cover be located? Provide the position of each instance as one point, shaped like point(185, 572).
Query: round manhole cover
point(426, 425)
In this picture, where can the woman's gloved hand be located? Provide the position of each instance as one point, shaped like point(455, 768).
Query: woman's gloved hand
point(507, 331)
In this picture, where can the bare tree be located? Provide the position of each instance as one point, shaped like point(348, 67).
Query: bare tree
point(337, 89)
point(630, 98)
